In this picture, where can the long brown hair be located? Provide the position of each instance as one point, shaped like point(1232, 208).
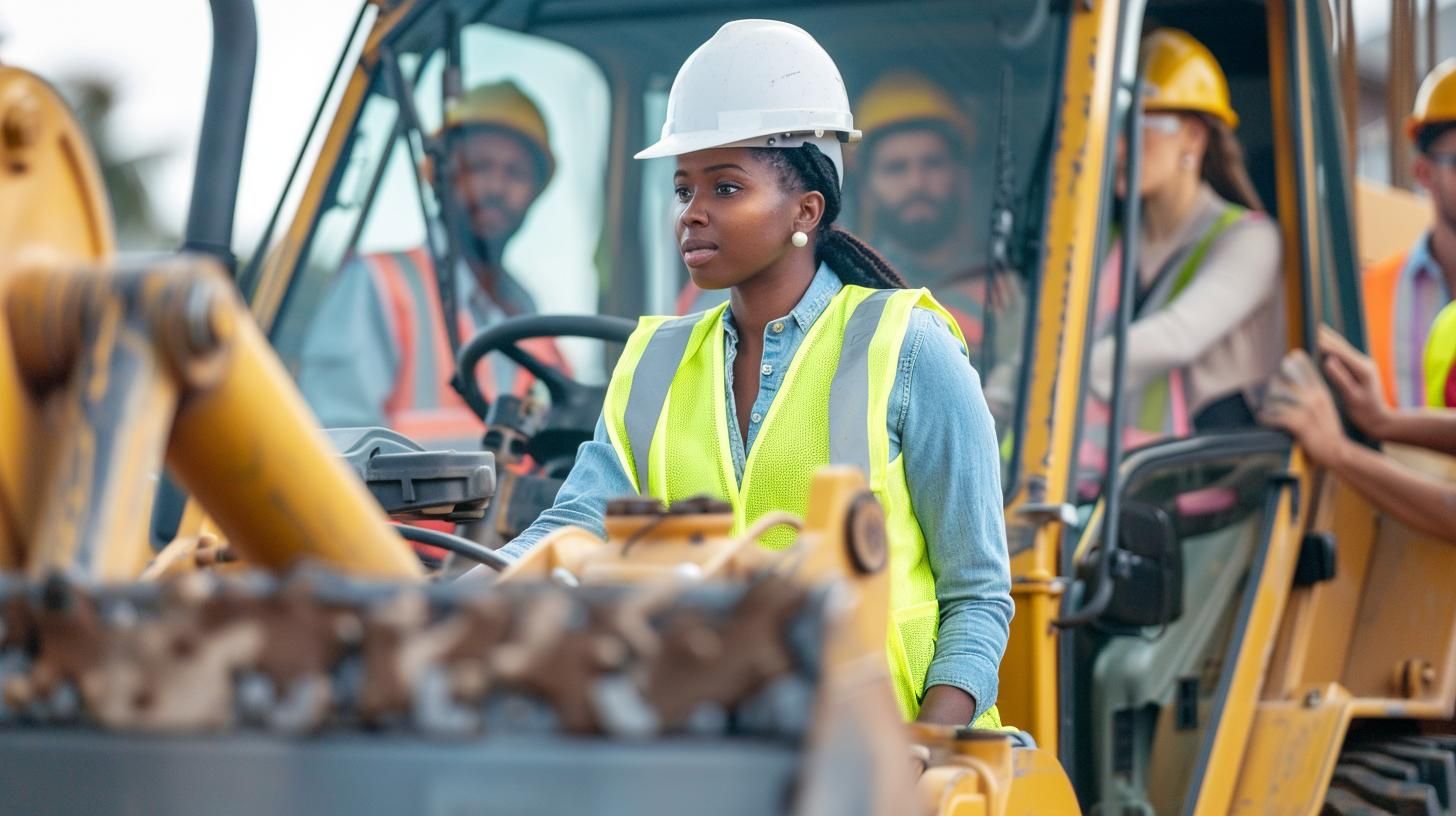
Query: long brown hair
point(1223, 165)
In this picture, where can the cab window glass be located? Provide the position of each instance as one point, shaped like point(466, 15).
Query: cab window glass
point(947, 183)
point(1208, 316)
point(957, 104)
point(547, 237)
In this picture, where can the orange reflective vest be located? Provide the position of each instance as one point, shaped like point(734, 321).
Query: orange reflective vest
point(422, 405)
point(1380, 286)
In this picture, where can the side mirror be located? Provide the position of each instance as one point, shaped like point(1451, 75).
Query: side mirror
point(1147, 569)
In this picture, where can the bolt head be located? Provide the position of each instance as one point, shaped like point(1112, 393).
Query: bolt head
point(20, 123)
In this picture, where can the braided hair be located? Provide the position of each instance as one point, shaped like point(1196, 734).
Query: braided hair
point(807, 169)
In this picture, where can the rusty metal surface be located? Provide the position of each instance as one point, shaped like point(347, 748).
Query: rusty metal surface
point(54, 211)
point(206, 653)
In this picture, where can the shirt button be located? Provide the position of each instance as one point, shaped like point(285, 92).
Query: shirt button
point(757, 417)
point(778, 327)
point(767, 370)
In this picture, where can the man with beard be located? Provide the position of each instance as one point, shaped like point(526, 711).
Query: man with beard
point(1404, 294)
point(378, 353)
point(915, 206)
point(917, 185)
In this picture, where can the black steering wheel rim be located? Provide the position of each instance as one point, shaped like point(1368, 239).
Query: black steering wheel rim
point(505, 338)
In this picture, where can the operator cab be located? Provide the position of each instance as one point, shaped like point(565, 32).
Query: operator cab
point(528, 192)
point(1158, 624)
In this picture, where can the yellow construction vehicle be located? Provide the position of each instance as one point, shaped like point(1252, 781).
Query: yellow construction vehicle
point(1212, 627)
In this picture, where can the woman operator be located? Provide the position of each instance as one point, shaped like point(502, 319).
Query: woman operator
point(1207, 325)
point(738, 398)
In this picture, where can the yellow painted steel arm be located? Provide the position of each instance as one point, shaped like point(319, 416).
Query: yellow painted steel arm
point(135, 363)
point(252, 453)
point(53, 209)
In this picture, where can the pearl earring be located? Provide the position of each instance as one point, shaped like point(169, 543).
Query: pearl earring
point(799, 239)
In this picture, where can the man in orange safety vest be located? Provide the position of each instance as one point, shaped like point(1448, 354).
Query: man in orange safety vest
point(1403, 294)
point(378, 353)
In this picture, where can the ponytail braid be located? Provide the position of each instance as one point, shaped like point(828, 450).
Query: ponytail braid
point(807, 169)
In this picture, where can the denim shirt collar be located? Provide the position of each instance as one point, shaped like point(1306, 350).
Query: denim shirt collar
point(822, 289)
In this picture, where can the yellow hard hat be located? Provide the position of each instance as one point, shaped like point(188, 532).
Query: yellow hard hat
point(1436, 100)
point(903, 98)
point(502, 105)
point(1181, 75)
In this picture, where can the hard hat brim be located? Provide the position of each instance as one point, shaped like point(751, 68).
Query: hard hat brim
point(678, 144)
point(1414, 125)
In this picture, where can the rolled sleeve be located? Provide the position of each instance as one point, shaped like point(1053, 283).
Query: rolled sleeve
point(953, 472)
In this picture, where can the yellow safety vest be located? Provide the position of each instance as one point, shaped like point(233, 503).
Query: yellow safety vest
point(666, 415)
point(1440, 360)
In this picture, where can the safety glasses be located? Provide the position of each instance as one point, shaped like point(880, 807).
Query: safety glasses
point(1164, 123)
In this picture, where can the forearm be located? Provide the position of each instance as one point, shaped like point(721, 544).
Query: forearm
point(947, 705)
point(972, 637)
point(952, 470)
point(595, 478)
point(1430, 428)
point(1237, 276)
point(1420, 501)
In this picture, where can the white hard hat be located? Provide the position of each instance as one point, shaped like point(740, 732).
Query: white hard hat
point(757, 83)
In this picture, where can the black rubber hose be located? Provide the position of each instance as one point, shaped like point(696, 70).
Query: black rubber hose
point(463, 547)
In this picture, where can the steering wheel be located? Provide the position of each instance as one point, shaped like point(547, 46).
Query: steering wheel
point(505, 338)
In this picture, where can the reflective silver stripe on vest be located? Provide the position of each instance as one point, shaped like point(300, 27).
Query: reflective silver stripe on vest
point(650, 383)
point(849, 391)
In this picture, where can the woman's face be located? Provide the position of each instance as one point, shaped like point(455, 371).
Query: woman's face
point(734, 216)
point(1173, 146)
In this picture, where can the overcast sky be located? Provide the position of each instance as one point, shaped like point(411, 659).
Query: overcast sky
point(156, 52)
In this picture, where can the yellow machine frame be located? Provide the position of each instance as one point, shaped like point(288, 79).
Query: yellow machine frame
point(1376, 642)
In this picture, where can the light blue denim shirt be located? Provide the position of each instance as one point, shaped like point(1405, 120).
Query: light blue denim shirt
point(938, 421)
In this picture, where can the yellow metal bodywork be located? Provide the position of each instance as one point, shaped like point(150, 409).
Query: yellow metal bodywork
point(53, 210)
point(165, 360)
point(1030, 671)
point(1292, 750)
point(102, 379)
point(966, 772)
point(1310, 660)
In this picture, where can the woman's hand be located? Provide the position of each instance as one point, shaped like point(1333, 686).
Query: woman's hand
point(1299, 402)
point(1357, 379)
